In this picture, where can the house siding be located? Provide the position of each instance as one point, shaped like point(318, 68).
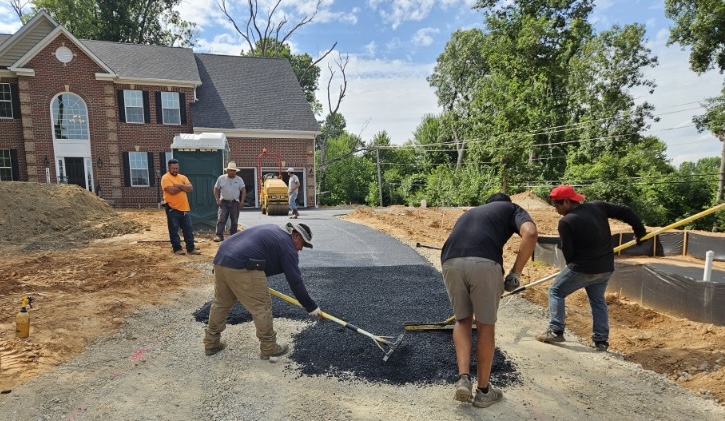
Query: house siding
point(40, 31)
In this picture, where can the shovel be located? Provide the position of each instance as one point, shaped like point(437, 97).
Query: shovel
point(383, 342)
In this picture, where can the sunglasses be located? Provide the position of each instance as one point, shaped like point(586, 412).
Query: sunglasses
point(557, 202)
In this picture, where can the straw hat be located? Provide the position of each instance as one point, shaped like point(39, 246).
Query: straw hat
point(232, 166)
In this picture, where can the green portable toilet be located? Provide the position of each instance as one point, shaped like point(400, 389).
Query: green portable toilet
point(201, 159)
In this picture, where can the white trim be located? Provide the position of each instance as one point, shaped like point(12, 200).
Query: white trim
point(147, 82)
point(265, 134)
point(6, 73)
point(55, 33)
point(21, 71)
point(160, 82)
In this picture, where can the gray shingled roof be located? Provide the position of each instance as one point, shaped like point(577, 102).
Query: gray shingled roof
point(146, 61)
point(250, 93)
point(3, 37)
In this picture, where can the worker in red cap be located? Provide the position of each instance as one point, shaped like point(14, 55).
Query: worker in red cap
point(586, 242)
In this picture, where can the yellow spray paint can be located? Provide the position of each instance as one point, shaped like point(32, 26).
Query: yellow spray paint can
point(22, 320)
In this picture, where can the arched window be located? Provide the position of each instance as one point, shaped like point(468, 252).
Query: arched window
point(70, 117)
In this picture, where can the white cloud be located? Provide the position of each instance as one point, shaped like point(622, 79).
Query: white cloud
point(677, 98)
point(422, 37)
point(370, 48)
point(400, 11)
point(9, 22)
point(390, 95)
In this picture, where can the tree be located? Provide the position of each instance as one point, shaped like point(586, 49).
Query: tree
point(699, 24)
point(268, 36)
point(18, 6)
point(714, 121)
point(457, 70)
point(132, 21)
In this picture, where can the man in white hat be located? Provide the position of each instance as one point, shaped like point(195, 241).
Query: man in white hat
point(229, 192)
point(293, 188)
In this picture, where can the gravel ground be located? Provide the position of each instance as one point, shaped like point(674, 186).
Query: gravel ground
point(154, 368)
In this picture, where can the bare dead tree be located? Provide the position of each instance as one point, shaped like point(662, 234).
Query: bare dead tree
point(263, 35)
point(333, 108)
point(18, 6)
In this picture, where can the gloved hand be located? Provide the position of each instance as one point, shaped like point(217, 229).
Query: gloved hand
point(512, 281)
point(638, 238)
point(316, 313)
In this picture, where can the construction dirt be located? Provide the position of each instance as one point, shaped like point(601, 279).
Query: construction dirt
point(87, 266)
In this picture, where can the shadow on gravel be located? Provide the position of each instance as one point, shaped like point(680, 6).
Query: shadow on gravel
point(379, 300)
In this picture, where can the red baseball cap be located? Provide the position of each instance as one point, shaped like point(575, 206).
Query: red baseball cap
point(565, 192)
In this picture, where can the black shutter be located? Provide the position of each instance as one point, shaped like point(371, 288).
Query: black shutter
point(159, 111)
point(182, 107)
point(162, 163)
point(152, 171)
point(14, 167)
point(121, 106)
point(15, 98)
point(146, 108)
point(126, 170)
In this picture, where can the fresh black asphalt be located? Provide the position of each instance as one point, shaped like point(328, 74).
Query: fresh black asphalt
point(378, 284)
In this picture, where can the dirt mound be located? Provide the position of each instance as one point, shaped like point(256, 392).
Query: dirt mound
point(41, 216)
point(530, 201)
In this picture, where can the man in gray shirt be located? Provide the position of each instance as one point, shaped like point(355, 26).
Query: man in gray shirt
point(229, 193)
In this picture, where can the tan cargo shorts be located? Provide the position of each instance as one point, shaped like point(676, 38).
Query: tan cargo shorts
point(474, 286)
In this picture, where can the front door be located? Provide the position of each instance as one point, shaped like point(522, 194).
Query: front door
point(75, 172)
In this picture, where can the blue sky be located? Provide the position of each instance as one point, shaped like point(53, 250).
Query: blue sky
point(393, 45)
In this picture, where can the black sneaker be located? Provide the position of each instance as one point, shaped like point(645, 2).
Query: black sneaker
point(601, 346)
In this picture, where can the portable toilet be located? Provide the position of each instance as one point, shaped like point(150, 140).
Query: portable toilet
point(202, 158)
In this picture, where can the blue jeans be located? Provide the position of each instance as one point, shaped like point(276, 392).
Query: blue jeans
point(595, 285)
point(293, 200)
point(175, 220)
point(227, 209)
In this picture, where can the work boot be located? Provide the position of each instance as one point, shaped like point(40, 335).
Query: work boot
point(601, 346)
point(487, 399)
point(463, 389)
point(218, 239)
point(278, 350)
point(195, 252)
point(180, 252)
point(211, 351)
point(550, 337)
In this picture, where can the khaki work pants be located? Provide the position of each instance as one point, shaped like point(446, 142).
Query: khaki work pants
point(251, 289)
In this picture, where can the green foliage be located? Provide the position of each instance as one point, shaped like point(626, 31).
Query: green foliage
point(699, 24)
point(348, 180)
point(155, 22)
point(714, 118)
point(467, 187)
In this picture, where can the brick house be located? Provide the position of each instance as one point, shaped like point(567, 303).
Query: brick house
point(103, 115)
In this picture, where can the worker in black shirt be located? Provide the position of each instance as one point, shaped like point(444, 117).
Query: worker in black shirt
point(472, 260)
point(586, 242)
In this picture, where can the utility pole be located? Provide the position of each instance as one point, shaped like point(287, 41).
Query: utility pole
point(380, 178)
point(721, 183)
